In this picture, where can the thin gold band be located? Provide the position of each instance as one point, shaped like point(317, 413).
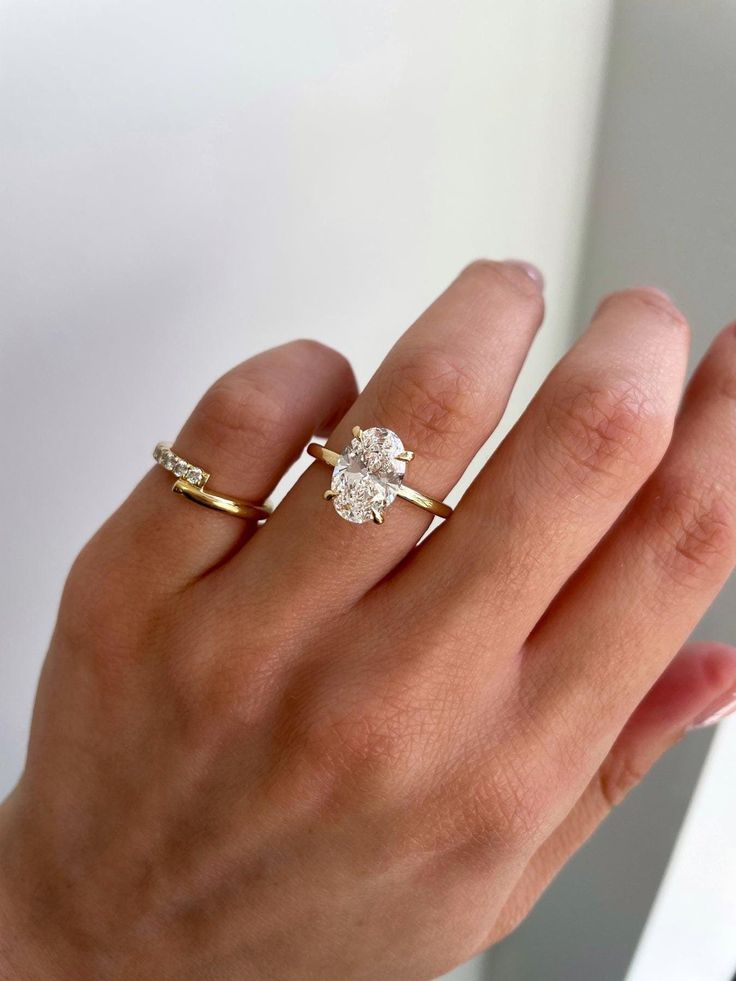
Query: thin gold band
point(329, 457)
point(229, 505)
point(191, 481)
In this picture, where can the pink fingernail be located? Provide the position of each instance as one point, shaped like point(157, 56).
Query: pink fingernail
point(717, 710)
point(531, 270)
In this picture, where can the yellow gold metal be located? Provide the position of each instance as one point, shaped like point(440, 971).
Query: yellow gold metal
point(191, 482)
point(407, 456)
point(320, 452)
point(329, 494)
point(377, 517)
point(230, 505)
point(357, 432)
point(422, 501)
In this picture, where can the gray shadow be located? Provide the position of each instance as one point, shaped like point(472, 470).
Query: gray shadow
point(662, 212)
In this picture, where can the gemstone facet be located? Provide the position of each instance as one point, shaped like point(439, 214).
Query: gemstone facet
point(164, 455)
point(368, 476)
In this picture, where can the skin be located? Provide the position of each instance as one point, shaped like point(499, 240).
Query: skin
point(317, 750)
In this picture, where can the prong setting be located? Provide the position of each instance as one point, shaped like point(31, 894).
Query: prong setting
point(368, 475)
point(165, 456)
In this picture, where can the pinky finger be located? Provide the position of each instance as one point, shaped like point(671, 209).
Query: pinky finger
point(697, 689)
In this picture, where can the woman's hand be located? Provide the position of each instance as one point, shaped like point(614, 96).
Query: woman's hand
point(320, 751)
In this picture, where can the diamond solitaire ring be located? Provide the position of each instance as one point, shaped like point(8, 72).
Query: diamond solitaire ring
point(369, 475)
point(190, 484)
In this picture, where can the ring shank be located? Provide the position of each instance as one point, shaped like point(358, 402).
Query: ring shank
point(230, 505)
point(422, 501)
point(320, 452)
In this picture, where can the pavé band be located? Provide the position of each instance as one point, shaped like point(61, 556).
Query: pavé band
point(190, 483)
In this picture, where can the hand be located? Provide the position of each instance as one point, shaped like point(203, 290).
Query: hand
point(319, 751)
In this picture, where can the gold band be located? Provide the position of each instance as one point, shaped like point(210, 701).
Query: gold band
point(230, 505)
point(191, 481)
point(437, 508)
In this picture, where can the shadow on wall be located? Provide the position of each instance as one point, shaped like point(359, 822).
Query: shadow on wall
point(662, 212)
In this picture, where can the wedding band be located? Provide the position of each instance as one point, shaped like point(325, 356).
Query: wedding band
point(369, 475)
point(190, 483)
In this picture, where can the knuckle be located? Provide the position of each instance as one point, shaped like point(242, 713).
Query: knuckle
point(237, 405)
point(434, 395)
point(213, 700)
point(508, 814)
point(692, 532)
point(359, 743)
point(617, 776)
point(492, 821)
point(360, 753)
point(309, 346)
point(95, 622)
point(307, 350)
point(600, 430)
point(503, 808)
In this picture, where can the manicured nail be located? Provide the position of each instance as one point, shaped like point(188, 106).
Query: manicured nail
point(717, 710)
point(531, 271)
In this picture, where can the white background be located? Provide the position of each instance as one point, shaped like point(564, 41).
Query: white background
point(184, 183)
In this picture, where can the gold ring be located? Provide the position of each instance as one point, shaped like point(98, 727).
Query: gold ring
point(190, 484)
point(369, 475)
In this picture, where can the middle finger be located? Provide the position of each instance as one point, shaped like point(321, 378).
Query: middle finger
point(595, 431)
point(442, 389)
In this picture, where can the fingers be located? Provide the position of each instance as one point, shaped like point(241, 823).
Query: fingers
point(594, 432)
point(246, 431)
point(696, 689)
point(613, 628)
point(442, 388)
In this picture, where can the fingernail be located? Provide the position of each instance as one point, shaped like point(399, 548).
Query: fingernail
point(724, 705)
point(532, 272)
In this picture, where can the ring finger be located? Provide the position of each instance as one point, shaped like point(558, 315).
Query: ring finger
point(589, 439)
point(442, 389)
point(618, 622)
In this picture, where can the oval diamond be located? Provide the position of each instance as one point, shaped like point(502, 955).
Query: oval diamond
point(367, 475)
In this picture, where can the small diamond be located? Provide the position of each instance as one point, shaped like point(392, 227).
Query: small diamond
point(195, 476)
point(367, 475)
point(167, 459)
point(180, 467)
point(160, 452)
